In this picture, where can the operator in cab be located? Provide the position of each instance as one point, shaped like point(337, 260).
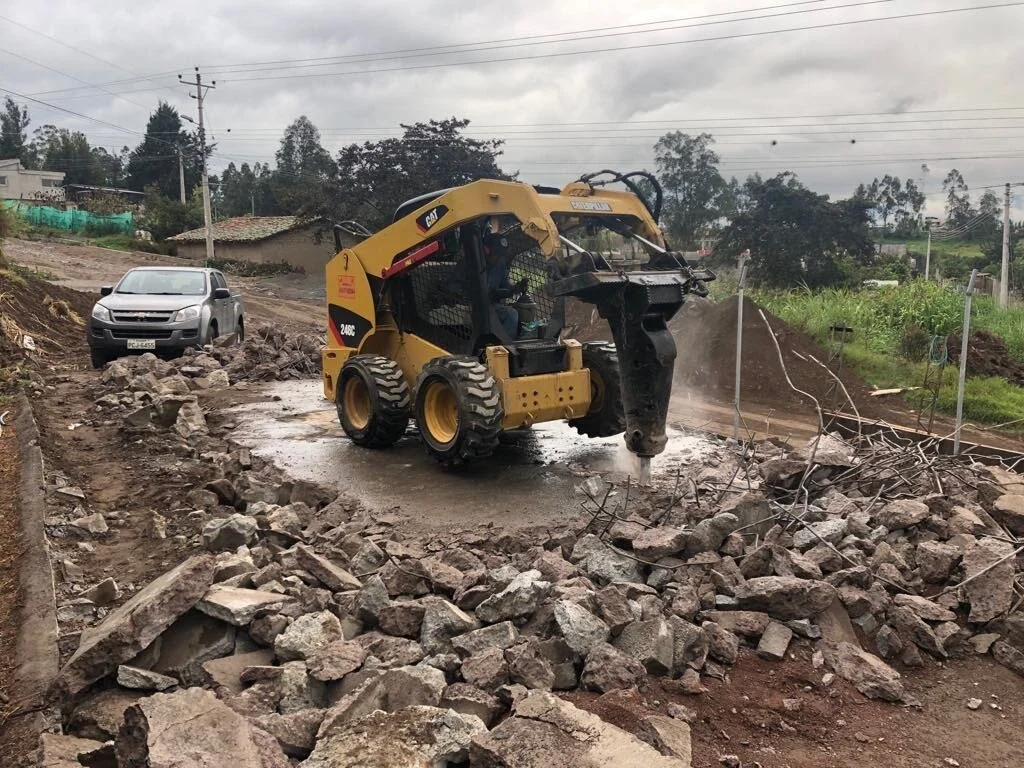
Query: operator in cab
point(499, 286)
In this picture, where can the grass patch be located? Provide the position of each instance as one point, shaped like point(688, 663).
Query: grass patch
point(883, 320)
point(122, 242)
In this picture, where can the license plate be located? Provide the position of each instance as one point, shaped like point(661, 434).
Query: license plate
point(141, 343)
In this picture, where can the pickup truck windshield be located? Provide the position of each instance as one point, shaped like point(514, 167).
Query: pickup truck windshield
point(165, 282)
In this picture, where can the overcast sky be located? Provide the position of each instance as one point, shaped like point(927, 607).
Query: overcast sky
point(561, 114)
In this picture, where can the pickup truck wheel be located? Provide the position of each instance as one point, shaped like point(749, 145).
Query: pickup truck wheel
point(211, 334)
point(373, 401)
point(98, 359)
point(240, 332)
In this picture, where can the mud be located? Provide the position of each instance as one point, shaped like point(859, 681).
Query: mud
point(532, 474)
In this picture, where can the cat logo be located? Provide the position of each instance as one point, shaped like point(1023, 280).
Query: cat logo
point(427, 220)
point(346, 329)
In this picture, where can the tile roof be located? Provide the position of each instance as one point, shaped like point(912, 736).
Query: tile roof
point(242, 229)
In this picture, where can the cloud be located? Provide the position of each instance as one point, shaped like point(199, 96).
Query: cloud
point(955, 61)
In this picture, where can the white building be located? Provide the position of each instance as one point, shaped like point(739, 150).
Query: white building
point(18, 183)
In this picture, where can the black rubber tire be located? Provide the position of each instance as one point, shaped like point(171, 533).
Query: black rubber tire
point(98, 359)
point(606, 416)
point(480, 411)
point(211, 334)
point(389, 400)
point(240, 332)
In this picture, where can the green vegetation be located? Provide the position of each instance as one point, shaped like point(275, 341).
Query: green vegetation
point(126, 243)
point(893, 328)
point(253, 269)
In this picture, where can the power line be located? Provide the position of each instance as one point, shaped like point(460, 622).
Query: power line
point(491, 46)
point(561, 54)
point(70, 76)
point(74, 48)
point(515, 39)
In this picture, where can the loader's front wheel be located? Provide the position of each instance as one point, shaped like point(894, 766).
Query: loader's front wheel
point(373, 401)
point(606, 416)
point(458, 409)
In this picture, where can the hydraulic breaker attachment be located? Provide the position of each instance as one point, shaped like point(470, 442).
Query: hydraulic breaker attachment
point(638, 306)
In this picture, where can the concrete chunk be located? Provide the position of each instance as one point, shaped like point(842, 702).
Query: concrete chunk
point(774, 642)
point(547, 731)
point(127, 630)
point(332, 576)
point(237, 605)
point(192, 727)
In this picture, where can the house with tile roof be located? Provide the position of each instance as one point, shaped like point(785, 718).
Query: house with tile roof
point(302, 243)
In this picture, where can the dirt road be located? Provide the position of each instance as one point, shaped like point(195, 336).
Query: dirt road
point(290, 301)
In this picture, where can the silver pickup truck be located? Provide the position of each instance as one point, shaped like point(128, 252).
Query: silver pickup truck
point(163, 310)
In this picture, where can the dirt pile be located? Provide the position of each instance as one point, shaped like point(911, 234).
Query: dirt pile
point(41, 324)
point(705, 334)
point(987, 355)
point(329, 636)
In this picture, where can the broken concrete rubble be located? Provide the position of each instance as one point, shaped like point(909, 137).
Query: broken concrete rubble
point(130, 628)
point(482, 622)
point(192, 727)
point(414, 737)
point(546, 730)
point(868, 674)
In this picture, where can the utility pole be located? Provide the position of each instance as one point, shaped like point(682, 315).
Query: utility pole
point(181, 176)
point(199, 95)
point(1004, 273)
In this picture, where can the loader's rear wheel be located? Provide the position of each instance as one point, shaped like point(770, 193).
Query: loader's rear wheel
point(606, 416)
point(458, 409)
point(373, 401)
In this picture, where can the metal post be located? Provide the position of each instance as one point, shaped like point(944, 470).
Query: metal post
point(739, 345)
point(1004, 273)
point(965, 333)
point(928, 256)
point(181, 177)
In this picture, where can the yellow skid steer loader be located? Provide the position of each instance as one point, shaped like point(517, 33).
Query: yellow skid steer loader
point(452, 315)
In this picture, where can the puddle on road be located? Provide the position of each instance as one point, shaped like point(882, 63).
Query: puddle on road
point(532, 473)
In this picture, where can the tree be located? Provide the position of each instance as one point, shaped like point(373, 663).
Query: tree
point(304, 167)
point(13, 136)
point(246, 190)
point(155, 160)
point(166, 216)
point(990, 223)
point(895, 201)
point(796, 236)
point(59, 149)
point(111, 166)
point(958, 199)
point(376, 177)
point(695, 192)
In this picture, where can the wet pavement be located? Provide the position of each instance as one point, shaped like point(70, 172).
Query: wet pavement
point(530, 478)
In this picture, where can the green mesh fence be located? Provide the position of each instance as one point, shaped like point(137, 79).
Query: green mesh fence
point(73, 221)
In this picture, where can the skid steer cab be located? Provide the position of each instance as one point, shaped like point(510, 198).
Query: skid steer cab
point(452, 316)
